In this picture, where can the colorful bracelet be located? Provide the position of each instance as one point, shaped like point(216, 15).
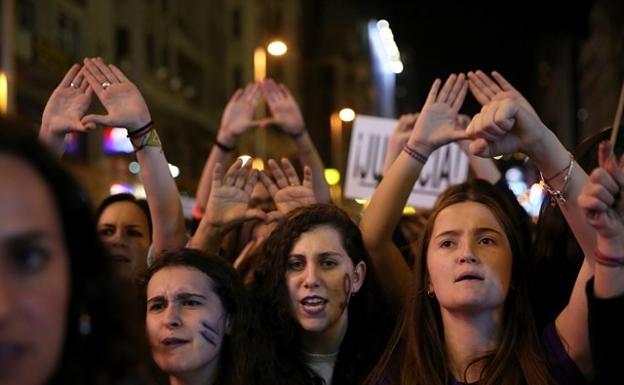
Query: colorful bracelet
point(223, 146)
point(415, 154)
point(608, 260)
point(141, 131)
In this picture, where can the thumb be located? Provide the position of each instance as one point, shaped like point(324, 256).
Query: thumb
point(255, 214)
point(104, 120)
point(267, 122)
point(480, 147)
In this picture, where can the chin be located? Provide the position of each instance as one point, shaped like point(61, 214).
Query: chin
point(313, 326)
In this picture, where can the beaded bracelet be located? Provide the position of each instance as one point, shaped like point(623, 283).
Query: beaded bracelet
point(558, 194)
point(608, 260)
point(414, 154)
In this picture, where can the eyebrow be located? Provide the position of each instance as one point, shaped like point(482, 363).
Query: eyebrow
point(321, 254)
point(178, 296)
point(26, 237)
point(478, 231)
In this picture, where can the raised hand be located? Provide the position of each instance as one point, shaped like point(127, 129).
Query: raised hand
point(228, 202)
point(285, 112)
point(484, 89)
point(505, 126)
point(122, 99)
point(238, 114)
point(68, 104)
point(398, 138)
point(287, 191)
point(601, 198)
point(438, 121)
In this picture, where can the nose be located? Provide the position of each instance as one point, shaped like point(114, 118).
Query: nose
point(467, 255)
point(172, 317)
point(311, 278)
point(115, 239)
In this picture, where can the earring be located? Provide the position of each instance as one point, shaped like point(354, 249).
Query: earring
point(430, 293)
point(84, 324)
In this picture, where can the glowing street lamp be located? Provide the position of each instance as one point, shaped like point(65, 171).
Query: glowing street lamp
point(346, 115)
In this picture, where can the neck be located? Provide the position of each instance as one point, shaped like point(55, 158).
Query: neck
point(327, 341)
point(468, 336)
point(206, 375)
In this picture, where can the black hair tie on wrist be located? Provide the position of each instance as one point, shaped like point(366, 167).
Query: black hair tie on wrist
point(223, 146)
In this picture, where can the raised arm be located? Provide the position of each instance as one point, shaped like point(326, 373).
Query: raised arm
point(505, 126)
point(435, 127)
point(288, 192)
point(286, 115)
point(603, 205)
point(227, 205)
point(237, 119)
point(126, 108)
point(64, 110)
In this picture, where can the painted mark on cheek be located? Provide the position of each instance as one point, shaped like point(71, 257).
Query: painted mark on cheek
point(211, 331)
point(347, 286)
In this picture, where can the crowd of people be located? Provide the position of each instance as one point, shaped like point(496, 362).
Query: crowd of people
point(274, 284)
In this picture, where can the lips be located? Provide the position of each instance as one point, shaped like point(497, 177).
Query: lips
point(469, 276)
point(313, 304)
point(119, 258)
point(173, 342)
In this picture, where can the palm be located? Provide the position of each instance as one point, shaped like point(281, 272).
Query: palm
point(436, 123)
point(238, 118)
point(64, 110)
point(125, 106)
point(227, 204)
point(292, 197)
point(287, 116)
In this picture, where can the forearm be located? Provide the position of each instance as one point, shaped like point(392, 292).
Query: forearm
point(484, 168)
point(551, 157)
point(163, 198)
point(609, 280)
point(207, 238)
point(308, 155)
point(392, 151)
point(55, 142)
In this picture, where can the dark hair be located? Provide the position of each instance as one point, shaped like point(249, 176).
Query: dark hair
point(360, 348)
point(239, 349)
point(556, 255)
point(108, 354)
point(125, 197)
point(416, 353)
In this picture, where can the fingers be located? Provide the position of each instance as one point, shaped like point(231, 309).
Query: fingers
point(503, 83)
point(232, 173)
point(268, 183)
point(217, 175)
point(491, 86)
point(105, 70)
point(458, 99)
point(433, 92)
point(96, 119)
point(252, 179)
point(307, 177)
point(443, 96)
point(291, 174)
point(480, 91)
point(68, 79)
point(252, 214)
point(120, 75)
point(280, 178)
point(242, 175)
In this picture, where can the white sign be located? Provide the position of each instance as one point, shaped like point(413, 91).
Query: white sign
point(446, 166)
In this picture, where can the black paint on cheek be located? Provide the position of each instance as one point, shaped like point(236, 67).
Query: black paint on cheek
point(347, 286)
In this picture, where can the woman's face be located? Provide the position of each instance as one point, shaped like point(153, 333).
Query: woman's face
point(34, 277)
point(124, 230)
point(321, 277)
point(186, 321)
point(468, 258)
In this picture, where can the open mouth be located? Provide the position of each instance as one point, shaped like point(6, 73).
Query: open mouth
point(313, 304)
point(118, 258)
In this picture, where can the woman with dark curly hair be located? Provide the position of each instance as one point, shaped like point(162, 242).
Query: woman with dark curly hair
point(62, 315)
point(319, 300)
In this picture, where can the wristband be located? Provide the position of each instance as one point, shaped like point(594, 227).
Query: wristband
point(223, 146)
point(415, 154)
point(141, 131)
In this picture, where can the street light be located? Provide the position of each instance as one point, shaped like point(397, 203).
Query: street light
point(274, 48)
point(4, 94)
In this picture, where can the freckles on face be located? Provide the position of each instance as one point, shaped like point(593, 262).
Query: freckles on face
point(34, 277)
point(469, 258)
point(320, 279)
point(185, 319)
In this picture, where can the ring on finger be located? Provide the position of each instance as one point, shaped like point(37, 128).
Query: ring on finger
point(106, 84)
point(74, 85)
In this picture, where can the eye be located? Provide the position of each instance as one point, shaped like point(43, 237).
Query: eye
point(295, 264)
point(134, 233)
point(156, 306)
point(29, 258)
point(106, 232)
point(487, 241)
point(328, 263)
point(446, 244)
point(191, 303)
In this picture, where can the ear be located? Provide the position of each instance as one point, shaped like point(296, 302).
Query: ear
point(359, 273)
